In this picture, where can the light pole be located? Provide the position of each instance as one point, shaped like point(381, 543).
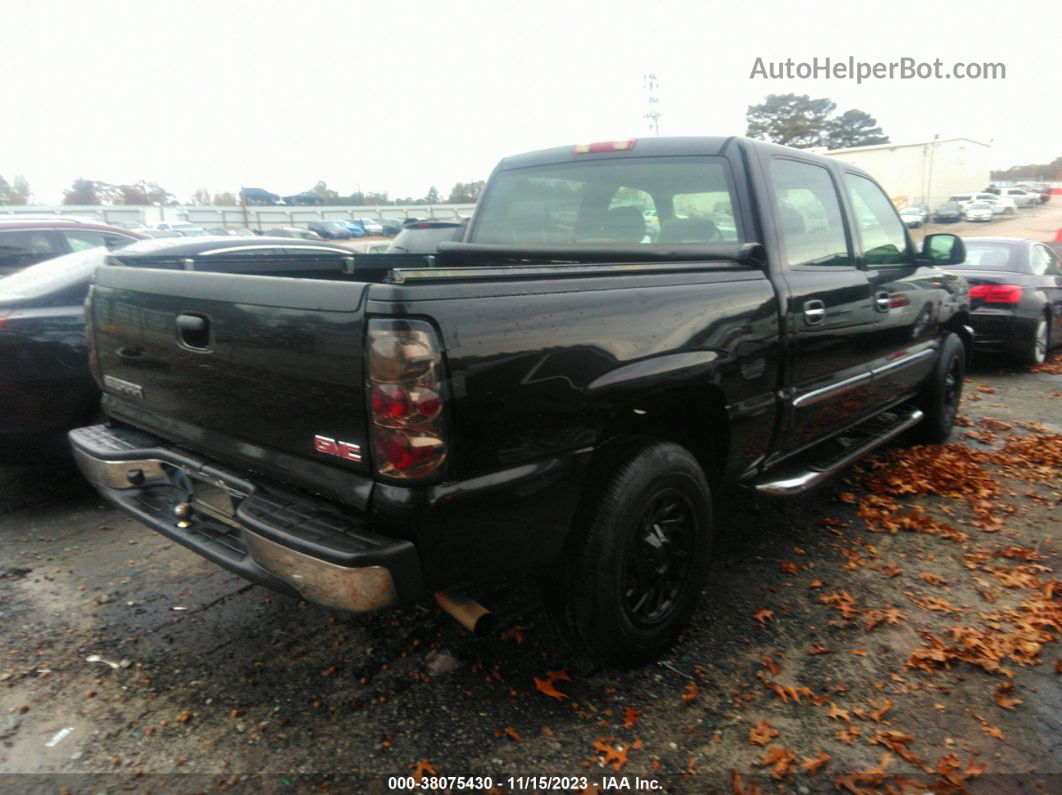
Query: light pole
point(650, 82)
point(929, 181)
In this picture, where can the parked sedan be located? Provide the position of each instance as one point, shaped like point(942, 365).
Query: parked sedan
point(331, 230)
point(182, 229)
point(1015, 296)
point(978, 211)
point(355, 229)
point(391, 226)
point(45, 385)
point(947, 214)
point(231, 231)
point(913, 216)
point(372, 227)
point(1022, 198)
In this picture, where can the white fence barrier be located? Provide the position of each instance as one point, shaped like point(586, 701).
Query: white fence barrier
point(254, 216)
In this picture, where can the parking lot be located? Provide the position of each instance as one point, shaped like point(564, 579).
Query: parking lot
point(1036, 223)
point(901, 622)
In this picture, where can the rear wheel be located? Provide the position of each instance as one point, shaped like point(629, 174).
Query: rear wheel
point(1036, 350)
point(942, 394)
point(635, 569)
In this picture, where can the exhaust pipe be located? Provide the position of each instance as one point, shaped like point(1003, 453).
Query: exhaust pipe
point(467, 612)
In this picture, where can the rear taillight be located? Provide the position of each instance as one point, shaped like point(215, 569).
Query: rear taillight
point(405, 398)
point(997, 293)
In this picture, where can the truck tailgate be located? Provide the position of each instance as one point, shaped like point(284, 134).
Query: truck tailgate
point(256, 365)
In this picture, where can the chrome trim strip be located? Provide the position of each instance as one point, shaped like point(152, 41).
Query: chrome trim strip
point(263, 246)
point(906, 360)
point(403, 275)
point(806, 481)
point(826, 392)
point(323, 582)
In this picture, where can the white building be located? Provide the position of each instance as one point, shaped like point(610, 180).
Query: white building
point(923, 173)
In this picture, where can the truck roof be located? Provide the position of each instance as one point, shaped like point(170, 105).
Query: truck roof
point(704, 146)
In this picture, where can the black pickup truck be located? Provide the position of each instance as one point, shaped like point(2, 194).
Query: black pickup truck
point(627, 330)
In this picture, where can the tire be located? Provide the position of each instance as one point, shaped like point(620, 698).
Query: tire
point(1039, 344)
point(939, 400)
point(646, 513)
point(1009, 211)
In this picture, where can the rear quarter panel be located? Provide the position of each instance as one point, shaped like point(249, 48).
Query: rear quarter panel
point(539, 370)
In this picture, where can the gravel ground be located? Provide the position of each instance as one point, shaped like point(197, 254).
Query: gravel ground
point(897, 628)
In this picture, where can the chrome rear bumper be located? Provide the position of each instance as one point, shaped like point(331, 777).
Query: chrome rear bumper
point(290, 543)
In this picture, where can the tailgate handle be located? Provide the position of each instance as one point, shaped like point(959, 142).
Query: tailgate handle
point(194, 330)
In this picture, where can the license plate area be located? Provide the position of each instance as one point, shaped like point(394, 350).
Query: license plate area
point(214, 501)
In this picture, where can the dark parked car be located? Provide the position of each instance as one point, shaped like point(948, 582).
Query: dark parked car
point(330, 230)
point(424, 237)
point(555, 397)
point(24, 242)
point(45, 385)
point(355, 229)
point(948, 213)
point(259, 196)
point(391, 226)
point(307, 198)
point(1015, 296)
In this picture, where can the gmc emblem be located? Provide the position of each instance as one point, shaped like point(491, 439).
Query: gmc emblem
point(347, 450)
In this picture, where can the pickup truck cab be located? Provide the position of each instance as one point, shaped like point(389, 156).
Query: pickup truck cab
point(562, 395)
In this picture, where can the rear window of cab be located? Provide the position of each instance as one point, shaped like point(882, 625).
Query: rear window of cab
point(621, 201)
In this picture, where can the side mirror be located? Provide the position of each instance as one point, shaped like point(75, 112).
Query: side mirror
point(944, 249)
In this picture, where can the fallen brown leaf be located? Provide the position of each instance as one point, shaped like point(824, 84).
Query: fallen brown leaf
point(763, 616)
point(421, 769)
point(690, 693)
point(813, 764)
point(780, 760)
point(762, 733)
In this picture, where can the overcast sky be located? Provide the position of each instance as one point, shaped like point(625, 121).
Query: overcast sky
point(398, 96)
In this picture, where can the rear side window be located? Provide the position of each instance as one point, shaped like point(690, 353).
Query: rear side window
point(1040, 260)
point(621, 201)
point(884, 238)
point(812, 225)
point(82, 239)
point(22, 247)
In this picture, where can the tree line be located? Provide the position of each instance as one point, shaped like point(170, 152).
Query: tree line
point(16, 192)
point(91, 192)
point(798, 120)
point(1048, 172)
point(460, 193)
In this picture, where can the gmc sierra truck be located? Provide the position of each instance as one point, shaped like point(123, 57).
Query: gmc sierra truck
point(628, 330)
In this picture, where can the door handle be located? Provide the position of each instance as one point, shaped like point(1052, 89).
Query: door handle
point(194, 331)
point(882, 301)
point(814, 312)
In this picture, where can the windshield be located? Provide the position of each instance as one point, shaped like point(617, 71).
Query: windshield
point(51, 276)
point(991, 257)
point(628, 200)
